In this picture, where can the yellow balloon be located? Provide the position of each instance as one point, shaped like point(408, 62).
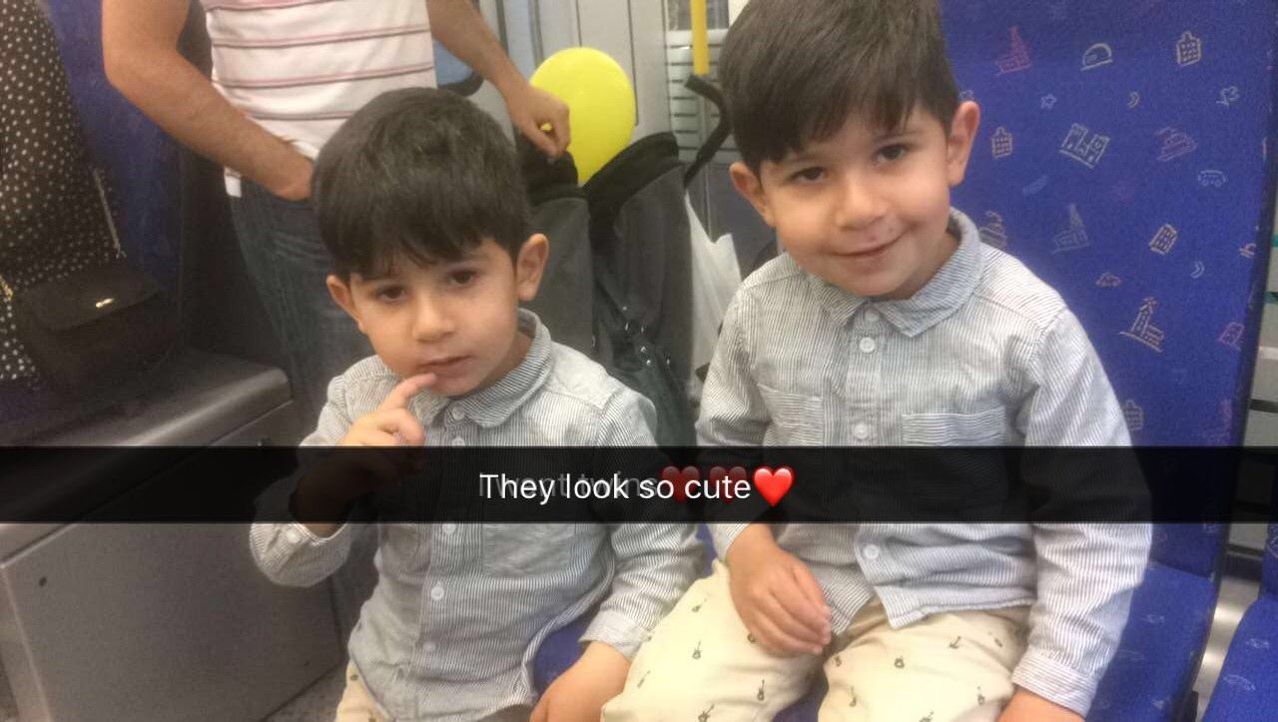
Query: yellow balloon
point(600, 100)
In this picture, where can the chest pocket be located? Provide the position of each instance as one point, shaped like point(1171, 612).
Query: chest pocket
point(984, 428)
point(794, 419)
point(526, 549)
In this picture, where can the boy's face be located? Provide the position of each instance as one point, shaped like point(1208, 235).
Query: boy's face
point(457, 319)
point(867, 209)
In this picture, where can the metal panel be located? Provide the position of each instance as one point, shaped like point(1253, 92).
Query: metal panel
point(156, 622)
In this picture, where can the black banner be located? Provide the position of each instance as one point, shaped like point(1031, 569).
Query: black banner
point(620, 485)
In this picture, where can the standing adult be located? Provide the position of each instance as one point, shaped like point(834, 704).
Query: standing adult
point(286, 74)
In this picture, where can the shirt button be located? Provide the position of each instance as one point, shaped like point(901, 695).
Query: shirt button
point(871, 315)
point(459, 441)
point(430, 647)
point(293, 536)
point(456, 413)
point(450, 528)
point(871, 552)
point(867, 345)
point(437, 593)
point(861, 431)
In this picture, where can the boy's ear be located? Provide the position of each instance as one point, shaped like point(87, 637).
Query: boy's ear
point(341, 293)
point(967, 120)
point(751, 188)
point(529, 266)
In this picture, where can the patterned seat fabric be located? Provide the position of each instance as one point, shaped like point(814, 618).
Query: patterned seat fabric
point(1248, 685)
point(1124, 158)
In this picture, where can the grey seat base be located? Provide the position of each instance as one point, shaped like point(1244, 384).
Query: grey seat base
point(151, 621)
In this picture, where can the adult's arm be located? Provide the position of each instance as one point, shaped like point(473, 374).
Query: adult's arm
point(461, 28)
point(139, 46)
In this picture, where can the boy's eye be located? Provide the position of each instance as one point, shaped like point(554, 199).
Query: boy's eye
point(809, 175)
point(893, 152)
point(389, 293)
point(462, 278)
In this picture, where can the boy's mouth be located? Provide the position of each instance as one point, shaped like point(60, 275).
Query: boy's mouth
point(869, 252)
point(442, 365)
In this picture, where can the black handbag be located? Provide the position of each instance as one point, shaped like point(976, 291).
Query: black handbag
point(98, 326)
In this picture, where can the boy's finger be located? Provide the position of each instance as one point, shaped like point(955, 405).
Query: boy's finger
point(370, 437)
point(401, 425)
point(804, 613)
point(811, 589)
point(776, 641)
point(399, 397)
point(779, 613)
point(791, 626)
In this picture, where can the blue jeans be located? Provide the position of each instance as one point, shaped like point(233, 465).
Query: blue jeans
point(281, 244)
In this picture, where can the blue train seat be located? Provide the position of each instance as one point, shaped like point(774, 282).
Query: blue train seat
point(1247, 689)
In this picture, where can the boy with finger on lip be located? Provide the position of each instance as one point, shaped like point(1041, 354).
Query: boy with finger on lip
point(422, 207)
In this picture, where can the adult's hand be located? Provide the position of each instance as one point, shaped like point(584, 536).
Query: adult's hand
point(541, 117)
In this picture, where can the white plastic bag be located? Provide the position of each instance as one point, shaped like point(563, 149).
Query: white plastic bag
point(715, 277)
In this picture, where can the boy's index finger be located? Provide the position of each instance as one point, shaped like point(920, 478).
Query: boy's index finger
point(399, 397)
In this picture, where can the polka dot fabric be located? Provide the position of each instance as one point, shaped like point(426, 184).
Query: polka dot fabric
point(52, 220)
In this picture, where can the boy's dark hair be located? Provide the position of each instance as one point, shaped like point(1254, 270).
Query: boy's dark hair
point(419, 172)
point(794, 71)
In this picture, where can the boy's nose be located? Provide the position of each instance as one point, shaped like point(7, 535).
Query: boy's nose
point(432, 322)
point(859, 206)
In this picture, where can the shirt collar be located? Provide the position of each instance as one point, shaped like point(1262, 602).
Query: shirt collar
point(493, 405)
point(952, 285)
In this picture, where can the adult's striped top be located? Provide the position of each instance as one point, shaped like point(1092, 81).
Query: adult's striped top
point(300, 68)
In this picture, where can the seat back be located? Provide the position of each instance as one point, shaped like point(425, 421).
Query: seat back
point(1124, 157)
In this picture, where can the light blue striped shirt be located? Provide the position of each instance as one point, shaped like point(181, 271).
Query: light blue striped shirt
point(985, 354)
point(459, 610)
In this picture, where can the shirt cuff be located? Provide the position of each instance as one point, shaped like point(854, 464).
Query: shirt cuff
point(1055, 681)
point(723, 536)
point(290, 553)
point(617, 631)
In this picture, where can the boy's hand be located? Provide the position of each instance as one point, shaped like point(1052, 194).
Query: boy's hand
point(324, 494)
point(1025, 706)
point(777, 597)
point(391, 423)
point(581, 692)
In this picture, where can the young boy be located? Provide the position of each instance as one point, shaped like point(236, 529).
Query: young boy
point(421, 205)
point(888, 323)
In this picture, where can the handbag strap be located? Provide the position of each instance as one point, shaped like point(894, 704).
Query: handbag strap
point(7, 290)
point(106, 211)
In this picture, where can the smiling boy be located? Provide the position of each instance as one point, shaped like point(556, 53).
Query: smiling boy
point(886, 322)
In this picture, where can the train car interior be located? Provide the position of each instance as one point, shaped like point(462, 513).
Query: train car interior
point(1124, 155)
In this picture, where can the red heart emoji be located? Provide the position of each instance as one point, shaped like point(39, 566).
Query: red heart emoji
point(773, 485)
